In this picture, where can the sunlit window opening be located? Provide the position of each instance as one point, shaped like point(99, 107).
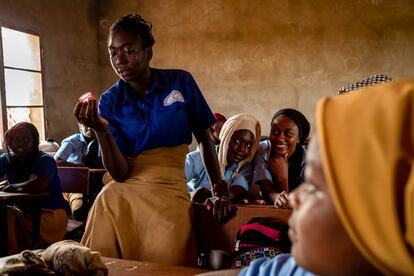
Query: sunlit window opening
point(22, 90)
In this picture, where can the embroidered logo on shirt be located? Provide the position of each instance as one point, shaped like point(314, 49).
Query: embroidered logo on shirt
point(174, 96)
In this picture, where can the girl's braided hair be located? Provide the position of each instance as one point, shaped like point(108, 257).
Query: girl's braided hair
point(136, 24)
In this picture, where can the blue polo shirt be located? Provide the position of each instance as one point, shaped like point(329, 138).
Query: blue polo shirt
point(72, 149)
point(44, 164)
point(171, 110)
point(296, 165)
point(282, 264)
point(196, 175)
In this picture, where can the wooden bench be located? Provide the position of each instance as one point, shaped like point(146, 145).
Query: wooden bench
point(84, 181)
point(75, 180)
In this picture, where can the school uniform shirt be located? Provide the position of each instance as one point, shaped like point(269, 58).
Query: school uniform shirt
point(196, 175)
point(281, 265)
point(296, 165)
point(72, 149)
point(170, 111)
point(43, 164)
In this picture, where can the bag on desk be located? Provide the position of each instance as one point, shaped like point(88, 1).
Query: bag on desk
point(260, 237)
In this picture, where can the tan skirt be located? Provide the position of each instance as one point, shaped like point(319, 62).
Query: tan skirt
point(148, 216)
point(52, 228)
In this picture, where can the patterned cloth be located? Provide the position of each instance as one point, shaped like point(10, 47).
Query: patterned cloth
point(71, 258)
point(371, 80)
point(26, 263)
point(66, 257)
point(244, 259)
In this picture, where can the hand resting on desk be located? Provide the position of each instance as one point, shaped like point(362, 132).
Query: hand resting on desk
point(35, 184)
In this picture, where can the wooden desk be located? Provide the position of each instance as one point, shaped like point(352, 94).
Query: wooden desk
point(16, 198)
point(211, 235)
point(130, 267)
point(101, 171)
point(77, 179)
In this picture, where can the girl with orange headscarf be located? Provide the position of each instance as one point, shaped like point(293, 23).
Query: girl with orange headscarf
point(355, 212)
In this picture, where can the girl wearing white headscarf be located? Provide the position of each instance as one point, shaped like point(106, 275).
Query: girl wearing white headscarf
point(239, 139)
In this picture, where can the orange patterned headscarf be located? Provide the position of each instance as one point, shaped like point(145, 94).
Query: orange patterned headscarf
point(367, 149)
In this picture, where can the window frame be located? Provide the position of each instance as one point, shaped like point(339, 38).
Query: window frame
point(3, 106)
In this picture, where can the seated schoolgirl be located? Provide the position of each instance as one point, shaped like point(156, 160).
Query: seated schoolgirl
point(31, 171)
point(280, 161)
point(354, 213)
point(239, 139)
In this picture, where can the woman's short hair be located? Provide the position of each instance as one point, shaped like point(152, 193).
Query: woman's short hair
point(136, 24)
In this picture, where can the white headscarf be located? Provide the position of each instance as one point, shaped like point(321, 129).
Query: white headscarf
point(234, 123)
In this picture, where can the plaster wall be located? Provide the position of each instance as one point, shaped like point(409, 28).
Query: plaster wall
point(247, 56)
point(262, 55)
point(68, 37)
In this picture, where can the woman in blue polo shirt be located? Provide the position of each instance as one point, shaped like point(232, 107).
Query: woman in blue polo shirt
point(144, 126)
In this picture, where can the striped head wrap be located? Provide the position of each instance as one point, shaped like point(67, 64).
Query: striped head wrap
point(371, 80)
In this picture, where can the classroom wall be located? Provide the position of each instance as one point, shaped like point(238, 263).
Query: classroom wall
point(259, 55)
point(247, 56)
point(68, 36)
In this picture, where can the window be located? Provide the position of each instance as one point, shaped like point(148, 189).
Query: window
point(21, 80)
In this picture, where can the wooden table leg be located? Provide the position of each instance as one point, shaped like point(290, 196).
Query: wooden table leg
point(35, 225)
point(3, 229)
